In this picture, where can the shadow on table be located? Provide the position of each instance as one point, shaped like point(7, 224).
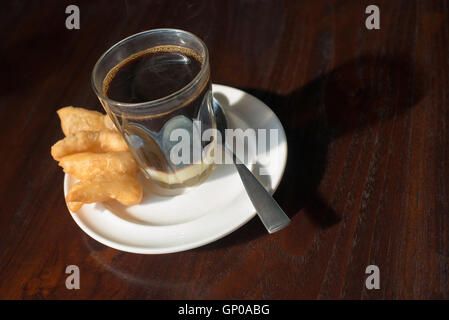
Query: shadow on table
point(352, 97)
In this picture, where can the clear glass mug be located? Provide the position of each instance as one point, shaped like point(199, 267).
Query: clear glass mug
point(148, 126)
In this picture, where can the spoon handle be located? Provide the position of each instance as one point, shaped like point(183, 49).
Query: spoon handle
point(271, 214)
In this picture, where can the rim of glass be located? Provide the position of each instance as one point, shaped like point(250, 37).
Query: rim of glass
point(149, 103)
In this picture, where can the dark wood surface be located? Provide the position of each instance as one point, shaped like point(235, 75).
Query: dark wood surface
point(367, 180)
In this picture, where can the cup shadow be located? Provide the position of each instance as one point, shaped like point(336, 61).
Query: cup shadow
point(358, 94)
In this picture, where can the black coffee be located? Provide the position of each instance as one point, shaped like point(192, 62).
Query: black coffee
point(152, 74)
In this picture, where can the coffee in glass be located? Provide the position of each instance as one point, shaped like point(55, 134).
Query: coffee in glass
point(152, 84)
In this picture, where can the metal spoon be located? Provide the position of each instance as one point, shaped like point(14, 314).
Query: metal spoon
point(271, 214)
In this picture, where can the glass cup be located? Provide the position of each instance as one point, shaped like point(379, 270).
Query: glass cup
point(154, 129)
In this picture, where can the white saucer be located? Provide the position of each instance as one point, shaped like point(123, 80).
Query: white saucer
point(204, 213)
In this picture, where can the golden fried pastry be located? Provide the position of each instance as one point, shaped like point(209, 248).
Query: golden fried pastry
point(89, 141)
point(74, 120)
point(126, 189)
point(87, 165)
point(74, 206)
point(95, 153)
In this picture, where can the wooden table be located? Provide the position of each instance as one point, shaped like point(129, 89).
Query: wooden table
point(366, 114)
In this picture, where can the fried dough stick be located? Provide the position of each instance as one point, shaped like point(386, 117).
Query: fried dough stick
point(74, 120)
point(87, 165)
point(92, 141)
point(126, 189)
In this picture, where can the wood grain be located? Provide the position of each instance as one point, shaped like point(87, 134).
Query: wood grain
point(365, 111)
